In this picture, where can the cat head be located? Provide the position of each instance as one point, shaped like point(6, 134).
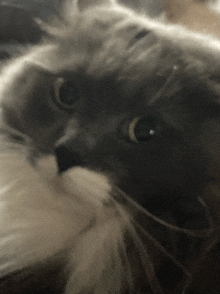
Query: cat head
point(130, 110)
point(118, 94)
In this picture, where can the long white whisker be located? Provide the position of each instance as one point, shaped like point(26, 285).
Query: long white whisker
point(161, 247)
point(193, 233)
point(121, 212)
point(147, 264)
point(128, 269)
point(118, 270)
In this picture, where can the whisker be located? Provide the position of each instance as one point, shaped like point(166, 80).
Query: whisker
point(203, 203)
point(123, 215)
point(145, 258)
point(158, 244)
point(146, 262)
point(148, 266)
point(128, 269)
point(186, 286)
point(193, 233)
point(118, 270)
point(211, 245)
point(172, 75)
point(162, 248)
point(203, 257)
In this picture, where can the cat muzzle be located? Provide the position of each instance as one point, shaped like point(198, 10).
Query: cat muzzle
point(66, 158)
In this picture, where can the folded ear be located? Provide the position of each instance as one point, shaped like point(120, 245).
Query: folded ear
point(85, 4)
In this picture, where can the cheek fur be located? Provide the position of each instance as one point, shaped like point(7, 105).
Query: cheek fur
point(36, 220)
point(89, 185)
point(39, 219)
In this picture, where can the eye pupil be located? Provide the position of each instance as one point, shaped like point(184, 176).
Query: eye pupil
point(66, 93)
point(142, 129)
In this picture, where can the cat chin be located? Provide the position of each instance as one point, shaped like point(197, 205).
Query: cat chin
point(35, 221)
point(92, 187)
point(95, 259)
point(42, 214)
point(81, 183)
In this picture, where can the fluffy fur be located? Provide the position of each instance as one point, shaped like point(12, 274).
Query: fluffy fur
point(126, 217)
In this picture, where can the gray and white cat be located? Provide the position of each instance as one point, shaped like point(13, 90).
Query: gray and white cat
point(109, 144)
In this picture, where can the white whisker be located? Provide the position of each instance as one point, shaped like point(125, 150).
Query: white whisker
point(193, 233)
point(123, 250)
point(145, 258)
point(128, 270)
point(146, 262)
point(162, 248)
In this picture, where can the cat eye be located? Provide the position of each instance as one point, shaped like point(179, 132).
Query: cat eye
point(142, 129)
point(66, 94)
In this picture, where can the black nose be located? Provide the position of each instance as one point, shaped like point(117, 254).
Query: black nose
point(66, 158)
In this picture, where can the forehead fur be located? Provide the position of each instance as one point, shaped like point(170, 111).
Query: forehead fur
point(105, 39)
point(102, 42)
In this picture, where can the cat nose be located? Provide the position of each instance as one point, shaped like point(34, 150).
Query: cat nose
point(66, 158)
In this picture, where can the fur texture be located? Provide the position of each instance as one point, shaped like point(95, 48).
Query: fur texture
point(121, 216)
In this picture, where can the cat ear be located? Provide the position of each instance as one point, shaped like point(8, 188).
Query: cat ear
point(85, 4)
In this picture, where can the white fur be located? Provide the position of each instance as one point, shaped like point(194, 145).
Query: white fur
point(39, 218)
point(215, 5)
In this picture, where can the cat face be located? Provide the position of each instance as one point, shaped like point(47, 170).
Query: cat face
point(113, 94)
point(129, 108)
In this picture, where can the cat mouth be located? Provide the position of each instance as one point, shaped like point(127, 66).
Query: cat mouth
point(66, 159)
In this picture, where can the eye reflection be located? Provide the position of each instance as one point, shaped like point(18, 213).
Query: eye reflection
point(142, 129)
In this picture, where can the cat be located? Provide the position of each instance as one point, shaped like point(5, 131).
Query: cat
point(109, 157)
